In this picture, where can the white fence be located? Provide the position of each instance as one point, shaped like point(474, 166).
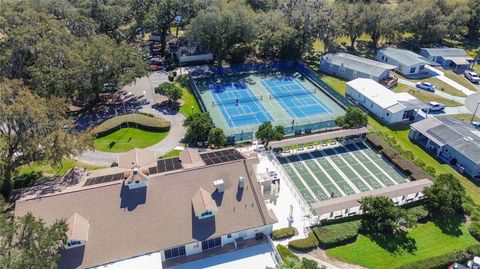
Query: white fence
point(305, 208)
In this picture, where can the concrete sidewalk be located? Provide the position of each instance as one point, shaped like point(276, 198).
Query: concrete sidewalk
point(441, 76)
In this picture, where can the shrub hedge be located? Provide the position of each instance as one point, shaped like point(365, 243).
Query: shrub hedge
point(441, 262)
point(402, 163)
point(285, 252)
point(474, 229)
point(143, 122)
point(309, 264)
point(283, 233)
point(304, 244)
point(420, 213)
point(337, 234)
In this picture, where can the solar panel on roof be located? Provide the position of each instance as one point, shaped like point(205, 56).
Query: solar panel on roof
point(103, 179)
point(221, 156)
point(165, 165)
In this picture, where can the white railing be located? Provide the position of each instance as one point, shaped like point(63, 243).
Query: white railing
point(296, 193)
point(276, 256)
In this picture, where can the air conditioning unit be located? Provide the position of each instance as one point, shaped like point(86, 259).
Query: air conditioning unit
point(219, 185)
point(240, 182)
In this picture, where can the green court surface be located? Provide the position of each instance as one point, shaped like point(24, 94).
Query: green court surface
point(340, 171)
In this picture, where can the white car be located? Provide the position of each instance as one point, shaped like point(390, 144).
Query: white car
point(434, 106)
point(426, 86)
point(472, 76)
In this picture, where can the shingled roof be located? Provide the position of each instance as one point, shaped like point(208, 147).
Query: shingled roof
point(124, 224)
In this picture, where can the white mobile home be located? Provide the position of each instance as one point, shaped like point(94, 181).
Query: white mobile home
point(408, 63)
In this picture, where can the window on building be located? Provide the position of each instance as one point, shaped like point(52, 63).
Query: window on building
point(341, 70)
point(354, 74)
point(211, 243)
point(229, 235)
point(331, 67)
point(421, 67)
point(407, 114)
point(383, 57)
point(412, 70)
point(175, 252)
point(322, 63)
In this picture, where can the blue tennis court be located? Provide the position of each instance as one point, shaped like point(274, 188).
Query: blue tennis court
point(238, 105)
point(297, 100)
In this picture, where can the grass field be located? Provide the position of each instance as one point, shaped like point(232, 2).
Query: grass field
point(173, 153)
point(424, 96)
point(464, 117)
point(460, 79)
point(188, 98)
point(47, 169)
point(128, 138)
point(337, 83)
point(425, 241)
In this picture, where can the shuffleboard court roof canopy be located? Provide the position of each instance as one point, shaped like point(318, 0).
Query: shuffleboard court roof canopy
point(317, 137)
point(350, 201)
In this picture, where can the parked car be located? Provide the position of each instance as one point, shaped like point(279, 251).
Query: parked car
point(434, 106)
point(472, 76)
point(426, 86)
point(476, 124)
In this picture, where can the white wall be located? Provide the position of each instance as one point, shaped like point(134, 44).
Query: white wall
point(195, 58)
point(400, 68)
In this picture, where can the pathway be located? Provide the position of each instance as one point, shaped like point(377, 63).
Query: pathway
point(441, 76)
point(143, 88)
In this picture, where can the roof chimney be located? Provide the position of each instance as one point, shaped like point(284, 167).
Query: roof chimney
point(240, 182)
point(219, 185)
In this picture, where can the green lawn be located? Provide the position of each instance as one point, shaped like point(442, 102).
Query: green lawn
point(460, 79)
point(425, 241)
point(464, 117)
point(128, 138)
point(188, 97)
point(173, 153)
point(424, 96)
point(338, 84)
point(47, 169)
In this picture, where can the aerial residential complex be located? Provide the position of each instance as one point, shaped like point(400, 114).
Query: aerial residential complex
point(267, 134)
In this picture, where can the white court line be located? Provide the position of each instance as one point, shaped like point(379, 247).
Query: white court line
point(307, 187)
point(326, 174)
point(351, 168)
point(366, 169)
point(376, 165)
point(315, 178)
point(345, 178)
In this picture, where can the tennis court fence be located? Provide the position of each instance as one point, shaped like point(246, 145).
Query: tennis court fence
point(245, 133)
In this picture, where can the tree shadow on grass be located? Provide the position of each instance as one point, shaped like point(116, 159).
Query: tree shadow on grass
point(395, 243)
point(450, 225)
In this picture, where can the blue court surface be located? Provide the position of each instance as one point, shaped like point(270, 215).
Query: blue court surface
point(238, 105)
point(298, 101)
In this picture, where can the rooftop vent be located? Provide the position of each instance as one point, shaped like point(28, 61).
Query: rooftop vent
point(219, 185)
point(240, 182)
